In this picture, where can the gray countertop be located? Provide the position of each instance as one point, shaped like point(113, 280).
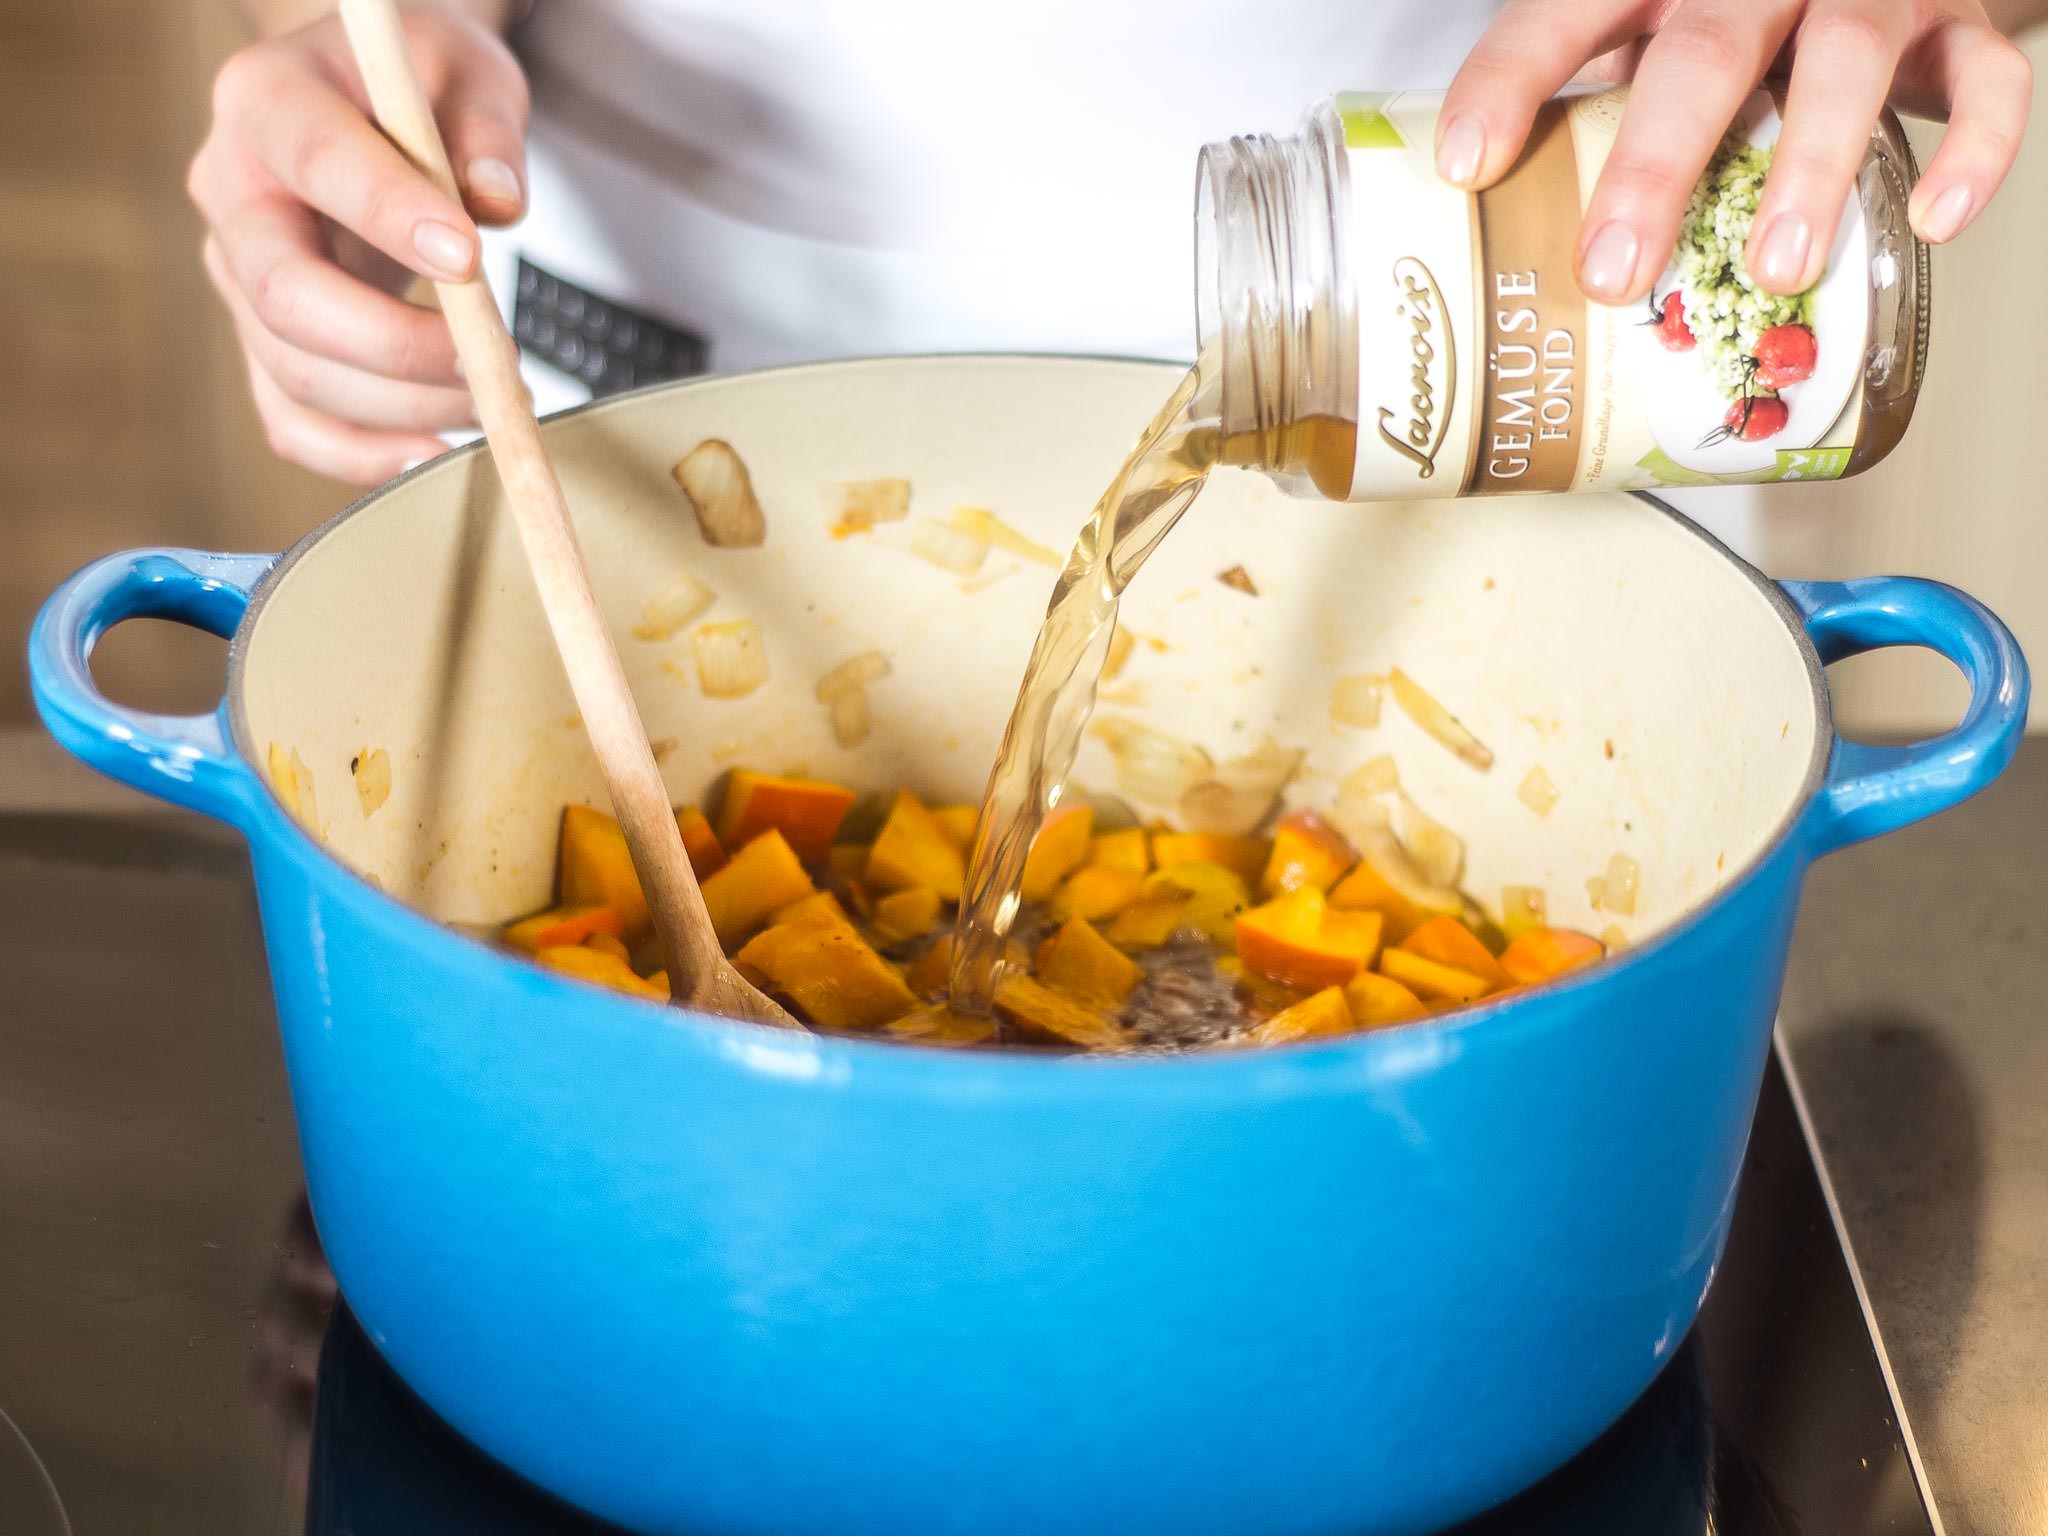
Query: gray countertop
point(1913, 1012)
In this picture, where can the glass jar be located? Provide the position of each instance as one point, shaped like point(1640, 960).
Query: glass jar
point(1370, 332)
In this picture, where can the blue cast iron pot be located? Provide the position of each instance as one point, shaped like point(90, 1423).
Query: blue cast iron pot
point(704, 1277)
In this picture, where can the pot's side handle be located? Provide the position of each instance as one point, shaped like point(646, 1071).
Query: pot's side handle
point(185, 759)
point(1872, 789)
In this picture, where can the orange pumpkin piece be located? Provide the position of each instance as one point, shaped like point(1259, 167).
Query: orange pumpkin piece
point(1307, 851)
point(819, 964)
point(1039, 1013)
point(1095, 891)
point(609, 944)
point(595, 868)
point(588, 964)
point(936, 1024)
point(564, 925)
point(1318, 1016)
point(1088, 968)
point(761, 878)
point(1538, 954)
point(1124, 852)
point(1449, 941)
point(913, 849)
point(707, 854)
point(1431, 980)
point(1150, 921)
point(805, 906)
point(959, 823)
point(807, 812)
point(1059, 849)
point(907, 914)
point(1299, 939)
point(1244, 857)
point(1377, 1001)
point(1366, 889)
point(932, 972)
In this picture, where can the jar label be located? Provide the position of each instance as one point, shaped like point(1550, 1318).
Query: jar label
point(1483, 368)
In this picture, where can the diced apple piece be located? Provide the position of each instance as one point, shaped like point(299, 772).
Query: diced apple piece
point(913, 849)
point(1299, 939)
point(1244, 857)
point(1211, 895)
point(1095, 892)
point(761, 878)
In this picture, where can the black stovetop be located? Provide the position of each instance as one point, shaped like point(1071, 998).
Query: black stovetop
point(172, 1355)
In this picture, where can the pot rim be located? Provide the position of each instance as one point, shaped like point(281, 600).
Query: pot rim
point(873, 1055)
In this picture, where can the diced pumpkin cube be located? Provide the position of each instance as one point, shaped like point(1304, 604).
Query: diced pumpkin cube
point(762, 877)
point(807, 812)
point(1244, 857)
point(1366, 889)
point(1321, 1015)
point(1537, 954)
point(808, 906)
point(1380, 1000)
point(588, 964)
point(1447, 940)
point(848, 861)
point(563, 925)
point(931, 973)
point(707, 854)
point(936, 1024)
point(1211, 895)
point(1039, 1013)
point(1125, 852)
point(1088, 968)
point(958, 822)
point(1299, 939)
point(609, 944)
point(820, 965)
point(913, 849)
point(1057, 851)
point(907, 914)
point(1307, 851)
point(1149, 921)
point(595, 868)
point(1432, 980)
point(1094, 892)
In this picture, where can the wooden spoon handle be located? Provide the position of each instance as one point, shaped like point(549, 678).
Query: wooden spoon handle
point(491, 360)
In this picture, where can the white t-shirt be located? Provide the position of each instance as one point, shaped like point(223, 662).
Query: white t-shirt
point(795, 179)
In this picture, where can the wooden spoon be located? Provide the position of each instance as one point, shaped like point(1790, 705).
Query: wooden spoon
point(699, 974)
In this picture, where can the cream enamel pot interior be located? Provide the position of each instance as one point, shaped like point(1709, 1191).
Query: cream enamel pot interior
point(700, 1276)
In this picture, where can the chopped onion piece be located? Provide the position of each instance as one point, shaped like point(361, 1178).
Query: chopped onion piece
point(1150, 765)
point(1390, 861)
point(1618, 890)
point(850, 716)
point(732, 658)
point(949, 548)
point(1438, 852)
point(1355, 700)
point(1121, 643)
point(1613, 937)
point(1375, 776)
point(852, 675)
point(857, 505)
point(681, 602)
point(1242, 792)
point(1538, 791)
point(1596, 891)
point(1424, 709)
point(716, 484)
point(1360, 817)
point(371, 769)
point(992, 530)
point(1522, 907)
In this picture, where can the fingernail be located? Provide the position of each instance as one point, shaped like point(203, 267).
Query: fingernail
point(1460, 149)
point(493, 179)
point(1609, 262)
point(1944, 220)
point(447, 250)
point(1781, 257)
